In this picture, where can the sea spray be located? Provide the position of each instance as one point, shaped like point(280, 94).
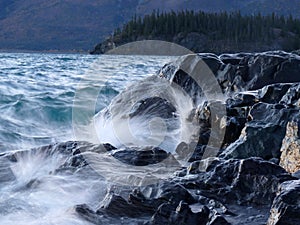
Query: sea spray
point(149, 112)
point(44, 188)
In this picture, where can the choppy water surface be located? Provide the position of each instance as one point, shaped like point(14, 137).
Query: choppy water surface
point(37, 92)
point(36, 100)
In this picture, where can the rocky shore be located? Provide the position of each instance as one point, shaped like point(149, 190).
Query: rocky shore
point(254, 177)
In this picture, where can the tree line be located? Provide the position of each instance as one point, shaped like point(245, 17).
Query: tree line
point(232, 27)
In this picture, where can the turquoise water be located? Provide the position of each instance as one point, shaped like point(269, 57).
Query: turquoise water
point(37, 92)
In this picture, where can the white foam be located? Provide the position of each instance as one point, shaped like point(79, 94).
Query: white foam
point(115, 125)
point(39, 195)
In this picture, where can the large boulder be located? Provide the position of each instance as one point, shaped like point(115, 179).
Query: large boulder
point(247, 181)
point(286, 206)
point(267, 121)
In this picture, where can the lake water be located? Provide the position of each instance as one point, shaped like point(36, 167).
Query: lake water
point(37, 93)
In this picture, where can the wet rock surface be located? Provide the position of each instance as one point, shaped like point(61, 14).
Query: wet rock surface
point(259, 148)
point(243, 71)
point(140, 157)
point(286, 206)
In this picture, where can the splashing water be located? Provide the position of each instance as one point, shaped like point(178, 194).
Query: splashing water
point(149, 112)
point(36, 192)
point(36, 96)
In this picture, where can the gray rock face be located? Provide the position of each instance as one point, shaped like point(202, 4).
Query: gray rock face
point(290, 150)
point(267, 121)
point(182, 215)
point(286, 206)
point(243, 71)
point(252, 114)
point(248, 181)
point(268, 112)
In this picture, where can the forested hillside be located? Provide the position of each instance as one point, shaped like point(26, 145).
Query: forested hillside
point(216, 32)
point(73, 25)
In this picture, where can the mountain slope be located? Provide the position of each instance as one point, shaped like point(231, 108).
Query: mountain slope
point(285, 7)
point(210, 32)
point(80, 24)
point(281, 7)
point(60, 24)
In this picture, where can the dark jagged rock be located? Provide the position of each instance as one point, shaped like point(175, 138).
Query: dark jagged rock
point(241, 71)
point(176, 74)
point(140, 157)
point(292, 96)
point(202, 165)
point(101, 217)
point(245, 72)
point(269, 68)
point(217, 219)
point(268, 121)
point(167, 192)
point(246, 181)
point(234, 126)
point(286, 206)
point(75, 149)
point(152, 106)
point(88, 214)
point(233, 59)
point(181, 215)
point(162, 215)
point(234, 186)
point(273, 94)
point(115, 205)
point(242, 100)
point(252, 182)
point(108, 147)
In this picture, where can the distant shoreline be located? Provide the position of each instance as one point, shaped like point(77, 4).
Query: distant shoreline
point(44, 51)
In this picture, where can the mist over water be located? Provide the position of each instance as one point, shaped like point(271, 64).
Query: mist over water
point(36, 101)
